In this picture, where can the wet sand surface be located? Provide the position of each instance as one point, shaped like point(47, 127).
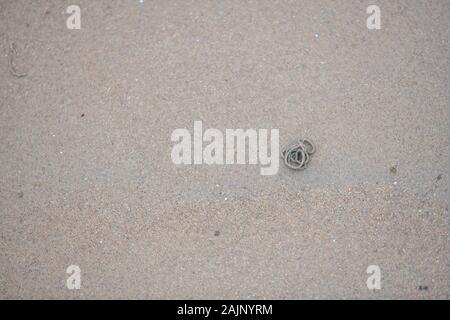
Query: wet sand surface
point(87, 178)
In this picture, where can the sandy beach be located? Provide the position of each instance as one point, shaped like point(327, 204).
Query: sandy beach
point(85, 155)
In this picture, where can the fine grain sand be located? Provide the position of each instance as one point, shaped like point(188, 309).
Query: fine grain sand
point(87, 178)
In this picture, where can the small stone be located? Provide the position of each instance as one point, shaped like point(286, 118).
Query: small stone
point(393, 169)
